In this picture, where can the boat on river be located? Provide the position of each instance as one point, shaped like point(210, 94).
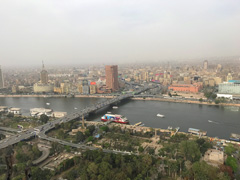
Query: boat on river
point(115, 118)
point(160, 115)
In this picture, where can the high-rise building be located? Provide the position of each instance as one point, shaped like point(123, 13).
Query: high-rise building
point(205, 64)
point(112, 77)
point(1, 79)
point(219, 67)
point(229, 88)
point(44, 75)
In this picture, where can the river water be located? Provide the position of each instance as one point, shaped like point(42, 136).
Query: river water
point(218, 121)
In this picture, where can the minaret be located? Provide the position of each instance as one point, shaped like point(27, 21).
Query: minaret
point(44, 75)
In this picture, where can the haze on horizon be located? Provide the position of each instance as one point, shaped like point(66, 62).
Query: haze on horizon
point(111, 31)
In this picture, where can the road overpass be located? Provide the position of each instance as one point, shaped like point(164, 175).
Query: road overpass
point(45, 153)
point(6, 129)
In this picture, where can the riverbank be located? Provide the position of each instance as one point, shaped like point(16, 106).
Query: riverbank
point(109, 97)
point(49, 96)
point(186, 101)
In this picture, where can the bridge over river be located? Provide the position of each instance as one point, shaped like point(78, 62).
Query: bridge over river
point(41, 130)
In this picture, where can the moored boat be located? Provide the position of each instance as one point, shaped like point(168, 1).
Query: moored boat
point(197, 131)
point(115, 118)
point(235, 137)
point(138, 124)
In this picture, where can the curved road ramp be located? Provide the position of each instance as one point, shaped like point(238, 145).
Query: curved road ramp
point(45, 154)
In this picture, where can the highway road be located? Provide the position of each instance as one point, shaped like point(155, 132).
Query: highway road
point(81, 146)
point(41, 130)
point(8, 129)
point(45, 153)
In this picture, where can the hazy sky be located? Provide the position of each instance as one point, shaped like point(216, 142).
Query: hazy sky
point(89, 31)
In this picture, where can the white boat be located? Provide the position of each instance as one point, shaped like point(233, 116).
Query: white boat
point(138, 124)
point(177, 128)
point(169, 128)
point(160, 115)
point(48, 104)
point(115, 107)
point(75, 108)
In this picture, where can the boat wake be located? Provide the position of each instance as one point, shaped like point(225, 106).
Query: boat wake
point(213, 122)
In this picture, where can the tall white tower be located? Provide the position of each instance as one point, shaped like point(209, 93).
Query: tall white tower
point(205, 64)
point(1, 79)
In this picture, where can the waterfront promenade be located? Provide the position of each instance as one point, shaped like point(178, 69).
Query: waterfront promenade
point(56, 95)
point(184, 101)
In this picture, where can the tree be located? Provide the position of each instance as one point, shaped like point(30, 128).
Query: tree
point(91, 129)
point(217, 101)
point(229, 150)
point(151, 151)
point(190, 150)
point(203, 145)
point(56, 147)
point(61, 134)
point(67, 148)
point(104, 128)
point(169, 94)
point(201, 100)
point(10, 115)
point(92, 168)
point(80, 136)
point(44, 118)
point(90, 138)
point(140, 149)
point(39, 174)
point(232, 162)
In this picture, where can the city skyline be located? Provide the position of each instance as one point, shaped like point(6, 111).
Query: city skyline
point(116, 90)
point(117, 32)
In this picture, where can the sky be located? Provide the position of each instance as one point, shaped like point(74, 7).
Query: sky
point(116, 31)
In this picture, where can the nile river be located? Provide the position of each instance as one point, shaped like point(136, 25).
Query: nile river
point(216, 120)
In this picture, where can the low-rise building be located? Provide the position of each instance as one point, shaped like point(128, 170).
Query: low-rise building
point(185, 88)
point(43, 88)
point(214, 157)
point(59, 114)
point(15, 110)
point(39, 111)
point(3, 109)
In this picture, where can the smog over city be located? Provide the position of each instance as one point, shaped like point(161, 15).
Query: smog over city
point(107, 31)
point(119, 90)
